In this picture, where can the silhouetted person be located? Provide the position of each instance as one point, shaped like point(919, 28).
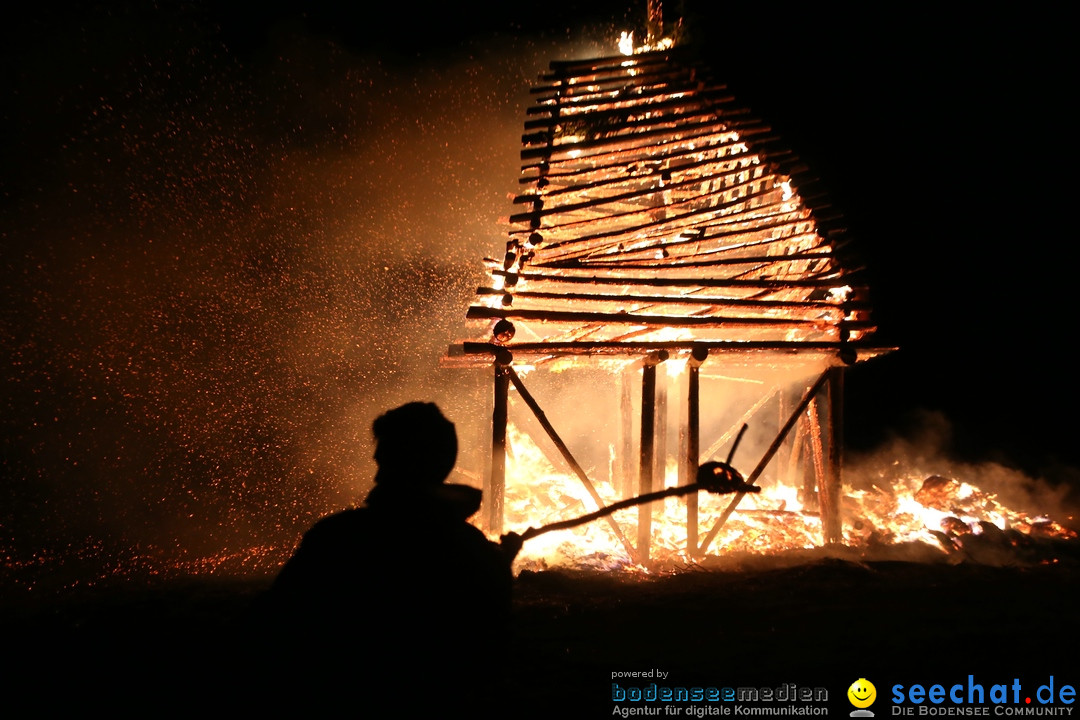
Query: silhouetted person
point(402, 595)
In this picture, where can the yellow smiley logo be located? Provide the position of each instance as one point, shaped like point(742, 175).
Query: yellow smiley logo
point(862, 693)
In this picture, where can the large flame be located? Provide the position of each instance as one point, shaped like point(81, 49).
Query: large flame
point(913, 508)
point(626, 45)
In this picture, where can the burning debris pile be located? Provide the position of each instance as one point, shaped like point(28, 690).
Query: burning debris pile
point(907, 515)
point(967, 523)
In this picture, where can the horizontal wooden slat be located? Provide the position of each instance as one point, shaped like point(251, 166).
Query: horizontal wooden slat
point(842, 277)
point(689, 300)
point(862, 350)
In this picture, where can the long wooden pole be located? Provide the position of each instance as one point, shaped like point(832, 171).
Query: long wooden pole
point(694, 282)
point(494, 492)
point(645, 468)
point(661, 440)
point(693, 443)
point(831, 520)
point(710, 300)
point(604, 347)
point(480, 312)
point(626, 435)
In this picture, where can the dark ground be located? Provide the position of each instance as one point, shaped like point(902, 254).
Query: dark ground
point(808, 619)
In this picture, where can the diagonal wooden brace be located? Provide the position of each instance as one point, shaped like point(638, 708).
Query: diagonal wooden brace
point(570, 460)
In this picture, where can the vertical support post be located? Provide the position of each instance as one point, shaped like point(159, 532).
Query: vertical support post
point(645, 469)
point(682, 413)
point(496, 482)
point(626, 436)
point(831, 522)
point(660, 428)
point(693, 444)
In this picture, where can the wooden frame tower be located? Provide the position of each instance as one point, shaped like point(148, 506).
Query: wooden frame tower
point(659, 222)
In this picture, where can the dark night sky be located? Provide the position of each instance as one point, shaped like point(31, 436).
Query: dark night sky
point(941, 136)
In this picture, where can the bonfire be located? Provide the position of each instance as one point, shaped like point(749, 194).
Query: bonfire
point(673, 284)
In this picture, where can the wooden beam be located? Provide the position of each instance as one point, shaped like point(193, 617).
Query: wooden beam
point(709, 259)
point(626, 435)
point(689, 300)
point(495, 491)
point(693, 442)
point(645, 468)
point(480, 312)
point(661, 442)
point(838, 278)
point(715, 346)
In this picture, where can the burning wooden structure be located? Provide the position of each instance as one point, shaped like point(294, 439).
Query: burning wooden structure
point(661, 226)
